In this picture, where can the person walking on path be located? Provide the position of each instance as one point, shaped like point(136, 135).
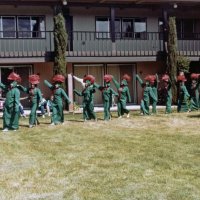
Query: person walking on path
point(107, 95)
point(124, 95)
point(183, 95)
point(147, 94)
point(88, 98)
point(35, 97)
point(11, 106)
point(58, 95)
point(194, 92)
point(167, 93)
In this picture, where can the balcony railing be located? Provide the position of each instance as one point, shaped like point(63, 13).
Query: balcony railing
point(91, 44)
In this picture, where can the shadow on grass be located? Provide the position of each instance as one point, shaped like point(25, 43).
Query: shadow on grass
point(194, 116)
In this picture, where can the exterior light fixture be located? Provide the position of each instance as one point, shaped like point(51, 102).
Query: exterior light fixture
point(64, 2)
point(175, 5)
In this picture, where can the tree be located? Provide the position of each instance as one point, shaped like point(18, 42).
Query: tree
point(60, 43)
point(172, 55)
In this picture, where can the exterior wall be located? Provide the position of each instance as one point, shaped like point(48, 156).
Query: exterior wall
point(145, 68)
point(29, 10)
point(84, 19)
point(38, 45)
point(45, 70)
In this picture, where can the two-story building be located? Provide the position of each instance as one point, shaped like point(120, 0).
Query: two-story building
point(104, 36)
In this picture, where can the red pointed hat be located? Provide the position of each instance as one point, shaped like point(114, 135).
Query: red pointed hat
point(34, 79)
point(165, 78)
point(195, 76)
point(181, 78)
point(89, 78)
point(14, 77)
point(126, 77)
point(58, 78)
point(150, 78)
point(107, 78)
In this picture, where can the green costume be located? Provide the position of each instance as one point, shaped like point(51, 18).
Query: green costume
point(107, 95)
point(167, 93)
point(183, 95)
point(57, 104)
point(154, 85)
point(147, 94)
point(124, 95)
point(88, 98)
point(35, 97)
point(11, 106)
point(194, 93)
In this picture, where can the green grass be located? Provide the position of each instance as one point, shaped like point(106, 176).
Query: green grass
point(143, 158)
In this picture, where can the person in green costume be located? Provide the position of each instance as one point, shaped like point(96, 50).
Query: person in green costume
point(35, 98)
point(123, 95)
point(194, 92)
point(107, 95)
point(11, 106)
point(167, 93)
point(183, 95)
point(88, 98)
point(147, 94)
point(154, 85)
point(57, 103)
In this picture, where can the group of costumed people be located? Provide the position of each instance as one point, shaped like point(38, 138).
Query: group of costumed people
point(186, 101)
point(12, 101)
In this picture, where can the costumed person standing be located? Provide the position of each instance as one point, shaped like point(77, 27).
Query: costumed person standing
point(183, 95)
point(88, 98)
point(154, 85)
point(167, 93)
point(107, 95)
point(57, 103)
point(194, 92)
point(11, 106)
point(124, 95)
point(35, 98)
point(147, 94)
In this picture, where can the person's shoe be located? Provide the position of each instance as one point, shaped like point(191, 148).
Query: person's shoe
point(52, 124)
point(30, 126)
point(119, 117)
point(43, 116)
point(49, 114)
point(128, 115)
point(5, 130)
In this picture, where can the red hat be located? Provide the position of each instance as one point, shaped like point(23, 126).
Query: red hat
point(89, 78)
point(107, 78)
point(58, 78)
point(165, 78)
point(195, 76)
point(181, 78)
point(34, 79)
point(14, 77)
point(126, 77)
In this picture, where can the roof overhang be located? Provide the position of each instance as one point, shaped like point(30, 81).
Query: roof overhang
point(105, 3)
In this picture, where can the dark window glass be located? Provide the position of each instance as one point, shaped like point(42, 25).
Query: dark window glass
point(8, 27)
point(24, 27)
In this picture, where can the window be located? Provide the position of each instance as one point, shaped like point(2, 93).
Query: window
point(8, 27)
point(22, 27)
point(186, 28)
point(102, 27)
point(134, 28)
point(126, 27)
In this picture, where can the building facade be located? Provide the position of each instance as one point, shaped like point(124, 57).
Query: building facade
point(104, 36)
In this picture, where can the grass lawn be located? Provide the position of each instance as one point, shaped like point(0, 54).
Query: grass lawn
point(141, 158)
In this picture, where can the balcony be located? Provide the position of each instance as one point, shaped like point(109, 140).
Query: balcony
point(92, 44)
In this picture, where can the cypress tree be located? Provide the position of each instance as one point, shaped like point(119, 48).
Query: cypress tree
point(60, 44)
point(172, 55)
